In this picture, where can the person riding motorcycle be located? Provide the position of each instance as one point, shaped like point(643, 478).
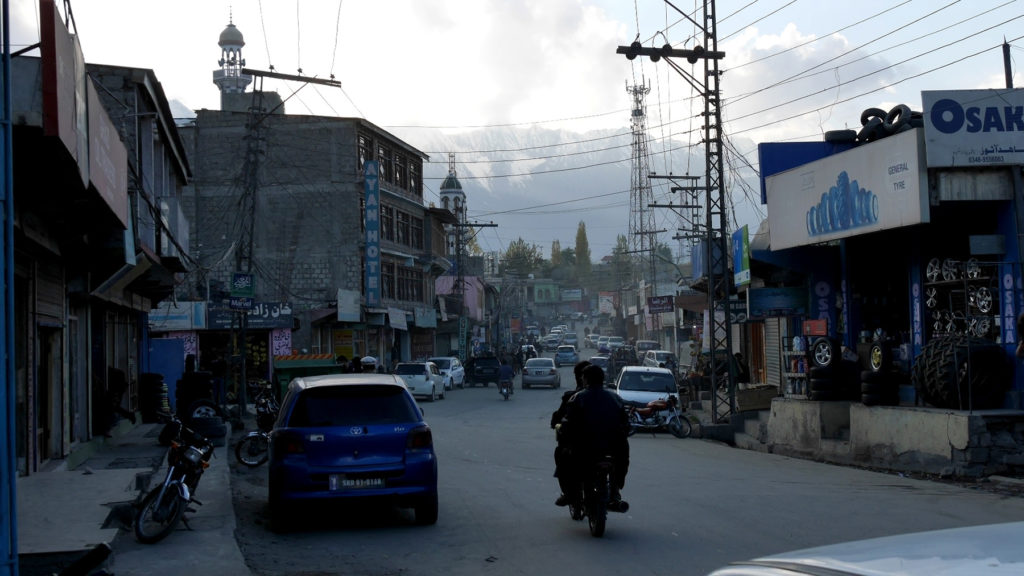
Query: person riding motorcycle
point(561, 448)
point(595, 425)
point(506, 374)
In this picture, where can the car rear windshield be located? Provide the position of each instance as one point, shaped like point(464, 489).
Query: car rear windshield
point(540, 363)
point(566, 349)
point(442, 363)
point(351, 405)
point(647, 382)
point(487, 361)
point(599, 361)
point(405, 369)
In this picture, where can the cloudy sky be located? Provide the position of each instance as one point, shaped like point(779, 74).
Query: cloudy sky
point(793, 68)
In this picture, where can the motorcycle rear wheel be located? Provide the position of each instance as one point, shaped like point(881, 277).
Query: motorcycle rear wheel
point(156, 519)
point(680, 427)
point(597, 514)
point(252, 450)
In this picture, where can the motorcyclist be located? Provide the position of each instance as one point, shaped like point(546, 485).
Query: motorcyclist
point(561, 448)
point(595, 425)
point(506, 374)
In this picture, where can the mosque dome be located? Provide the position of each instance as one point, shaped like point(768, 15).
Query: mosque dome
point(231, 36)
point(451, 183)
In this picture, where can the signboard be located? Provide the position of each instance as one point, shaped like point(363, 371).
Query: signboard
point(741, 256)
point(659, 304)
point(396, 317)
point(573, 295)
point(775, 302)
point(974, 127)
point(348, 305)
point(372, 218)
point(873, 187)
point(236, 303)
point(178, 316)
point(243, 285)
point(606, 302)
point(262, 315)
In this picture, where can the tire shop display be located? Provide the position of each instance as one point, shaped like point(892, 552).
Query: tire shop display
point(962, 372)
point(837, 381)
point(961, 297)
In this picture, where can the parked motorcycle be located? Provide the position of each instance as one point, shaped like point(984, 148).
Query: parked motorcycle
point(253, 449)
point(187, 458)
point(658, 415)
point(594, 500)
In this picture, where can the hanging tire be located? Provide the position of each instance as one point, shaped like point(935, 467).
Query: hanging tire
point(155, 518)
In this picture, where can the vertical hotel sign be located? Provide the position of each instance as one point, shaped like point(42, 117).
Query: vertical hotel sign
point(372, 233)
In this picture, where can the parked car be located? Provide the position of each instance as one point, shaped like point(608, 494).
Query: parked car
point(973, 550)
point(642, 384)
point(423, 379)
point(566, 354)
point(484, 369)
point(661, 358)
point(452, 370)
point(540, 372)
point(342, 437)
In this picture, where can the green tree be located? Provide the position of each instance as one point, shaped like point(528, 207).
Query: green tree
point(582, 252)
point(622, 263)
point(521, 258)
point(556, 254)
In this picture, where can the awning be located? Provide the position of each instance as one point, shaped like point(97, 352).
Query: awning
point(396, 317)
point(113, 288)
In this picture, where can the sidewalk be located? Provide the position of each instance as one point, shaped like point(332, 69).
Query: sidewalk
point(62, 513)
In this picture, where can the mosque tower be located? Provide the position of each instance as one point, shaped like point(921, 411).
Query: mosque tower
point(229, 77)
point(453, 199)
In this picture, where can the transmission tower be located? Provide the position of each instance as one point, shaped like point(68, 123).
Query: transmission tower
point(641, 216)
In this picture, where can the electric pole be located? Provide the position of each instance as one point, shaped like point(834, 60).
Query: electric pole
point(719, 282)
point(641, 217)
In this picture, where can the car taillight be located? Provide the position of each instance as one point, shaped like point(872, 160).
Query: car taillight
point(553, 371)
point(289, 444)
point(420, 438)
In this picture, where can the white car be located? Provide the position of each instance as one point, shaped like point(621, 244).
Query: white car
point(423, 379)
point(452, 370)
point(972, 551)
point(642, 384)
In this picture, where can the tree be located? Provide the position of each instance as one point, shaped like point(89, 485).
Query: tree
point(556, 254)
point(622, 264)
point(521, 258)
point(582, 252)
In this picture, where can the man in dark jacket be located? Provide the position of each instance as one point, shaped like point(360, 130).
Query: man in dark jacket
point(562, 468)
point(595, 425)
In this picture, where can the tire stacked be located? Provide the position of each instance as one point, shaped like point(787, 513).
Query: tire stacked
point(879, 388)
point(962, 372)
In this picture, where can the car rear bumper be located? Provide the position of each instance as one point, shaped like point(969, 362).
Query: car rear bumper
point(416, 477)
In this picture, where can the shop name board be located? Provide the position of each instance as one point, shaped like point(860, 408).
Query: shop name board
point(372, 219)
point(659, 304)
point(873, 187)
point(974, 127)
point(262, 315)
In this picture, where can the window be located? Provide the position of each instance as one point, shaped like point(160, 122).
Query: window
point(415, 167)
point(384, 156)
point(401, 174)
point(402, 232)
point(410, 284)
point(349, 405)
point(364, 148)
point(387, 223)
point(387, 289)
point(416, 232)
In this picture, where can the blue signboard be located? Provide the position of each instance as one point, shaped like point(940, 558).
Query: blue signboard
point(372, 233)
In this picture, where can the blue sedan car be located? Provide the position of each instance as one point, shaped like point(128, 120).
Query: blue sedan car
point(566, 354)
point(351, 436)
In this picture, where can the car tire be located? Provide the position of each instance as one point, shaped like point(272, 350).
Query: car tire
point(824, 352)
point(433, 393)
point(442, 392)
point(426, 510)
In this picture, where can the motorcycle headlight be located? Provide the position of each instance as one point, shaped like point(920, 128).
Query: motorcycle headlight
point(193, 454)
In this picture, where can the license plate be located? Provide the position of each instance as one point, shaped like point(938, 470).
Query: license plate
point(339, 482)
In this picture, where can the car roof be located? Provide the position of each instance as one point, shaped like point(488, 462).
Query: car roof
point(645, 369)
point(359, 379)
point(432, 358)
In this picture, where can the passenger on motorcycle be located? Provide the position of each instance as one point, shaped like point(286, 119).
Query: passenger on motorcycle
point(595, 425)
point(562, 449)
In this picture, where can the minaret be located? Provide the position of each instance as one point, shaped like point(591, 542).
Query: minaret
point(453, 199)
point(229, 77)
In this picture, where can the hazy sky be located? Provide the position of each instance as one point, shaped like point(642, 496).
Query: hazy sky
point(793, 69)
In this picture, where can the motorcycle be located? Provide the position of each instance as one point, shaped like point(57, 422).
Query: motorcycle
point(506, 388)
point(253, 449)
point(164, 506)
point(594, 500)
point(660, 414)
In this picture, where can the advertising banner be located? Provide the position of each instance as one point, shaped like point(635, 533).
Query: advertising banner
point(659, 304)
point(974, 127)
point(873, 187)
point(572, 295)
point(372, 255)
point(768, 302)
point(741, 256)
point(606, 302)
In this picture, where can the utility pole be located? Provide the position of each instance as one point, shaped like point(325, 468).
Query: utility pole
point(719, 282)
point(255, 137)
point(461, 241)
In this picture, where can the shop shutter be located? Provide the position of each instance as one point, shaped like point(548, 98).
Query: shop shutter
point(50, 291)
point(772, 351)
